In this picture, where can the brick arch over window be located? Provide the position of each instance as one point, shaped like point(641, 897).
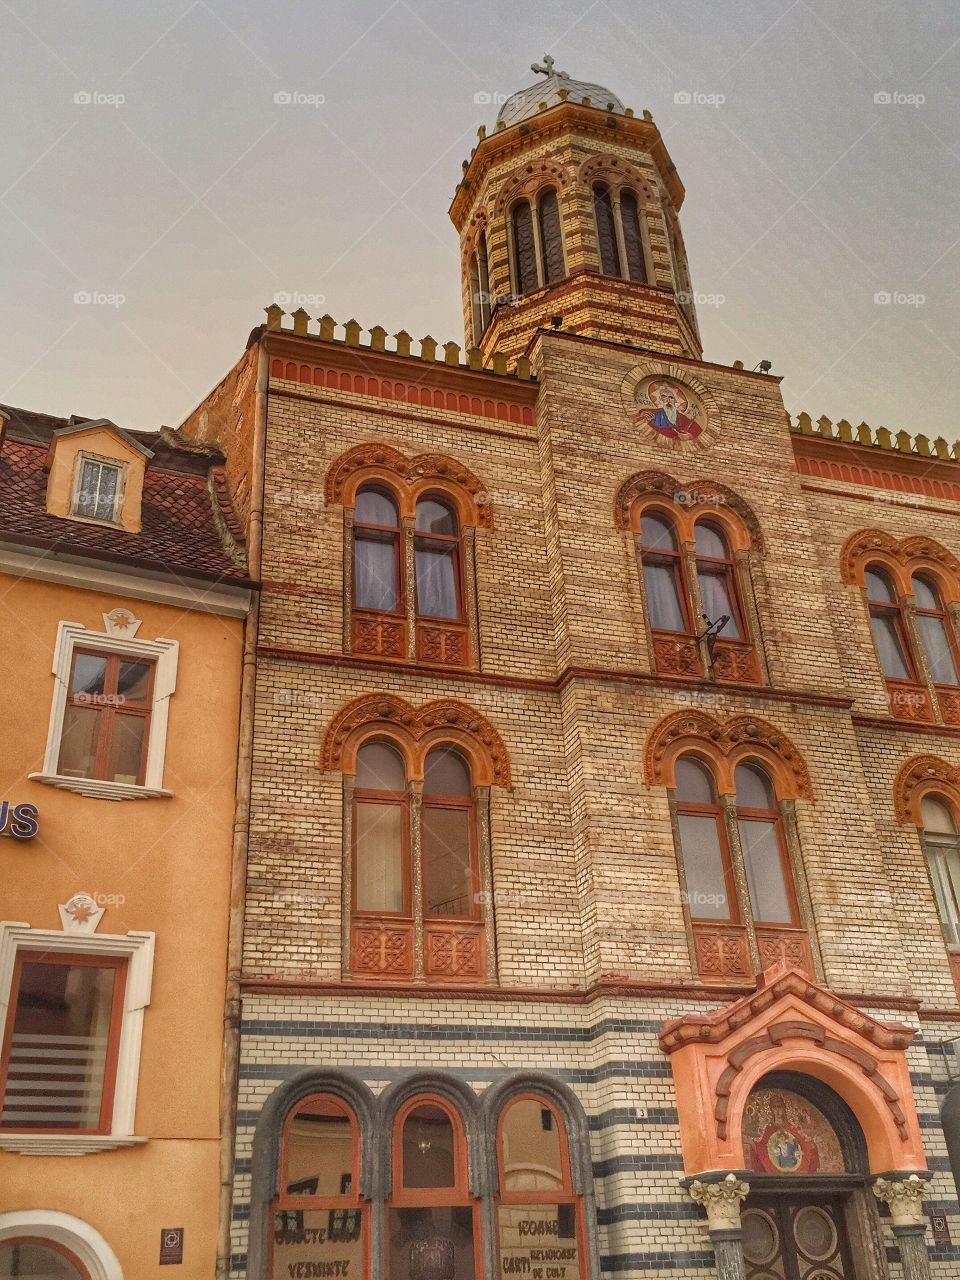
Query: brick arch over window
point(725, 744)
point(689, 502)
point(618, 173)
point(527, 185)
point(415, 730)
point(920, 776)
point(903, 558)
point(409, 478)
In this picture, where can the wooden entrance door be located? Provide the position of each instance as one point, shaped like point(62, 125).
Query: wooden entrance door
point(794, 1238)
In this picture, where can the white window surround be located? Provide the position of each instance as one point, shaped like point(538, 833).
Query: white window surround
point(164, 653)
point(16, 938)
point(119, 466)
point(83, 1241)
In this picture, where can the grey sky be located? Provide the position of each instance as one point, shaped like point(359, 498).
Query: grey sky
point(198, 198)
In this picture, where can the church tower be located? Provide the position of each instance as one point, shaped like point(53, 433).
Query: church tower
point(568, 216)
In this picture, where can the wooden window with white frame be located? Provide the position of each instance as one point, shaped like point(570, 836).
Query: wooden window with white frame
point(97, 489)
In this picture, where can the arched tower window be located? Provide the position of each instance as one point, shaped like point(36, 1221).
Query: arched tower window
point(663, 574)
point(716, 576)
point(524, 248)
point(535, 1187)
point(936, 633)
point(606, 230)
point(479, 289)
point(888, 627)
point(433, 1222)
point(437, 557)
point(318, 1216)
point(941, 842)
point(632, 236)
point(376, 552)
point(551, 239)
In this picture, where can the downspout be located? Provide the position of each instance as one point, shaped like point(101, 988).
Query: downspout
point(238, 867)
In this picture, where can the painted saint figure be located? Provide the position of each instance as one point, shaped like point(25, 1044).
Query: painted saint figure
point(667, 412)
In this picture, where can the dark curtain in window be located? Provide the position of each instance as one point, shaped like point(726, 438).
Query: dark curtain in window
point(524, 249)
point(606, 231)
point(550, 237)
point(632, 238)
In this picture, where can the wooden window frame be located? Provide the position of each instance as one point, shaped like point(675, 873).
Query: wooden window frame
point(54, 1246)
point(288, 1202)
point(401, 799)
point(774, 818)
point(675, 558)
point(119, 466)
point(364, 532)
point(542, 1195)
point(894, 608)
point(469, 805)
point(110, 709)
point(68, 960)
point(714, 810)
point(727, 569)
point(454, 540)
point(458, 1195)
point(948, 628)
point(909, 697)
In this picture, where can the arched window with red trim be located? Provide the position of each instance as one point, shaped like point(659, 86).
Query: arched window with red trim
point(888, 626)
point(710, 890)
point(936, 631)
point(377, 570)
point(415, 900)
point(437, 557)
point(664, 579)
point(433, 1225)
point(716, 575)
point(318, 1217)
point(539, 1216)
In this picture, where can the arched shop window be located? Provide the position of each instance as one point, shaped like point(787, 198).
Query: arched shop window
point(318, 1218)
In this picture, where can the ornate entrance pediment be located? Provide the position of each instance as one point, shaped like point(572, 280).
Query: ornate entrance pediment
point(790, 1024)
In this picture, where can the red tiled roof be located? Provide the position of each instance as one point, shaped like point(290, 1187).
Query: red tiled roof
point(179, 532)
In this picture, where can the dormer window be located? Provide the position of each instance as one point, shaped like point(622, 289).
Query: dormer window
point(98, 490)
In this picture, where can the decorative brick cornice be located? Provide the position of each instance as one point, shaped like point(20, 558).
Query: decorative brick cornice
point(725, 743)
point(372, 459)
point(919, 775)
point(416, 730)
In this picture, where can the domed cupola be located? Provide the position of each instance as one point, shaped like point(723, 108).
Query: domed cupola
point(567, 214)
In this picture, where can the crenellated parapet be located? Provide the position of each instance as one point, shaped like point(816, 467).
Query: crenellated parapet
point(919, 446)
point(430, 351)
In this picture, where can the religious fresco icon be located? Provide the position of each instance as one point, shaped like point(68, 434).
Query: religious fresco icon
point(669, 409)
point(785, 1133)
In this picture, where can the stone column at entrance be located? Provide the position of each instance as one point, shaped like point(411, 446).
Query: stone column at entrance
point(904, 1194)
point(722, 1197)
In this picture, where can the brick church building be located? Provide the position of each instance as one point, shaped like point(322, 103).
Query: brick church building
point(603, 873)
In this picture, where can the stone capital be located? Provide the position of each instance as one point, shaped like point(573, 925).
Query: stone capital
point(904, 1195)
point(721, 1200)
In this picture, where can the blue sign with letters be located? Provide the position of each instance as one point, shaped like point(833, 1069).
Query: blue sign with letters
point(18, 820)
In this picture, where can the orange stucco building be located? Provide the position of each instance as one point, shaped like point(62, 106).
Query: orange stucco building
point(125, 596)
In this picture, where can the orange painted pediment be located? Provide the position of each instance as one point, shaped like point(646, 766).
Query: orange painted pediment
point(790, 1024)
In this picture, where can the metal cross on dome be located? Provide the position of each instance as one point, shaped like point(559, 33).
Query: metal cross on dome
point(546, 68)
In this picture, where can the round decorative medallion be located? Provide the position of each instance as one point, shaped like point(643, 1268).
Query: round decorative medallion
point(815, 1233)
point(669, 407)
point(761, 1240)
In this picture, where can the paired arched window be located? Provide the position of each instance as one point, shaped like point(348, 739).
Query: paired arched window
point(536, 242)
point(620, 233)
point(916, 644)
point(479, 289)
point(693, 599)
point(385, 606)
point(433, 1219)
point(416, 902)
point(726, 843)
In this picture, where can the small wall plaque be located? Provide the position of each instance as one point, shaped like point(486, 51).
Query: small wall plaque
point(171, 1245)
point(941, 1229)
